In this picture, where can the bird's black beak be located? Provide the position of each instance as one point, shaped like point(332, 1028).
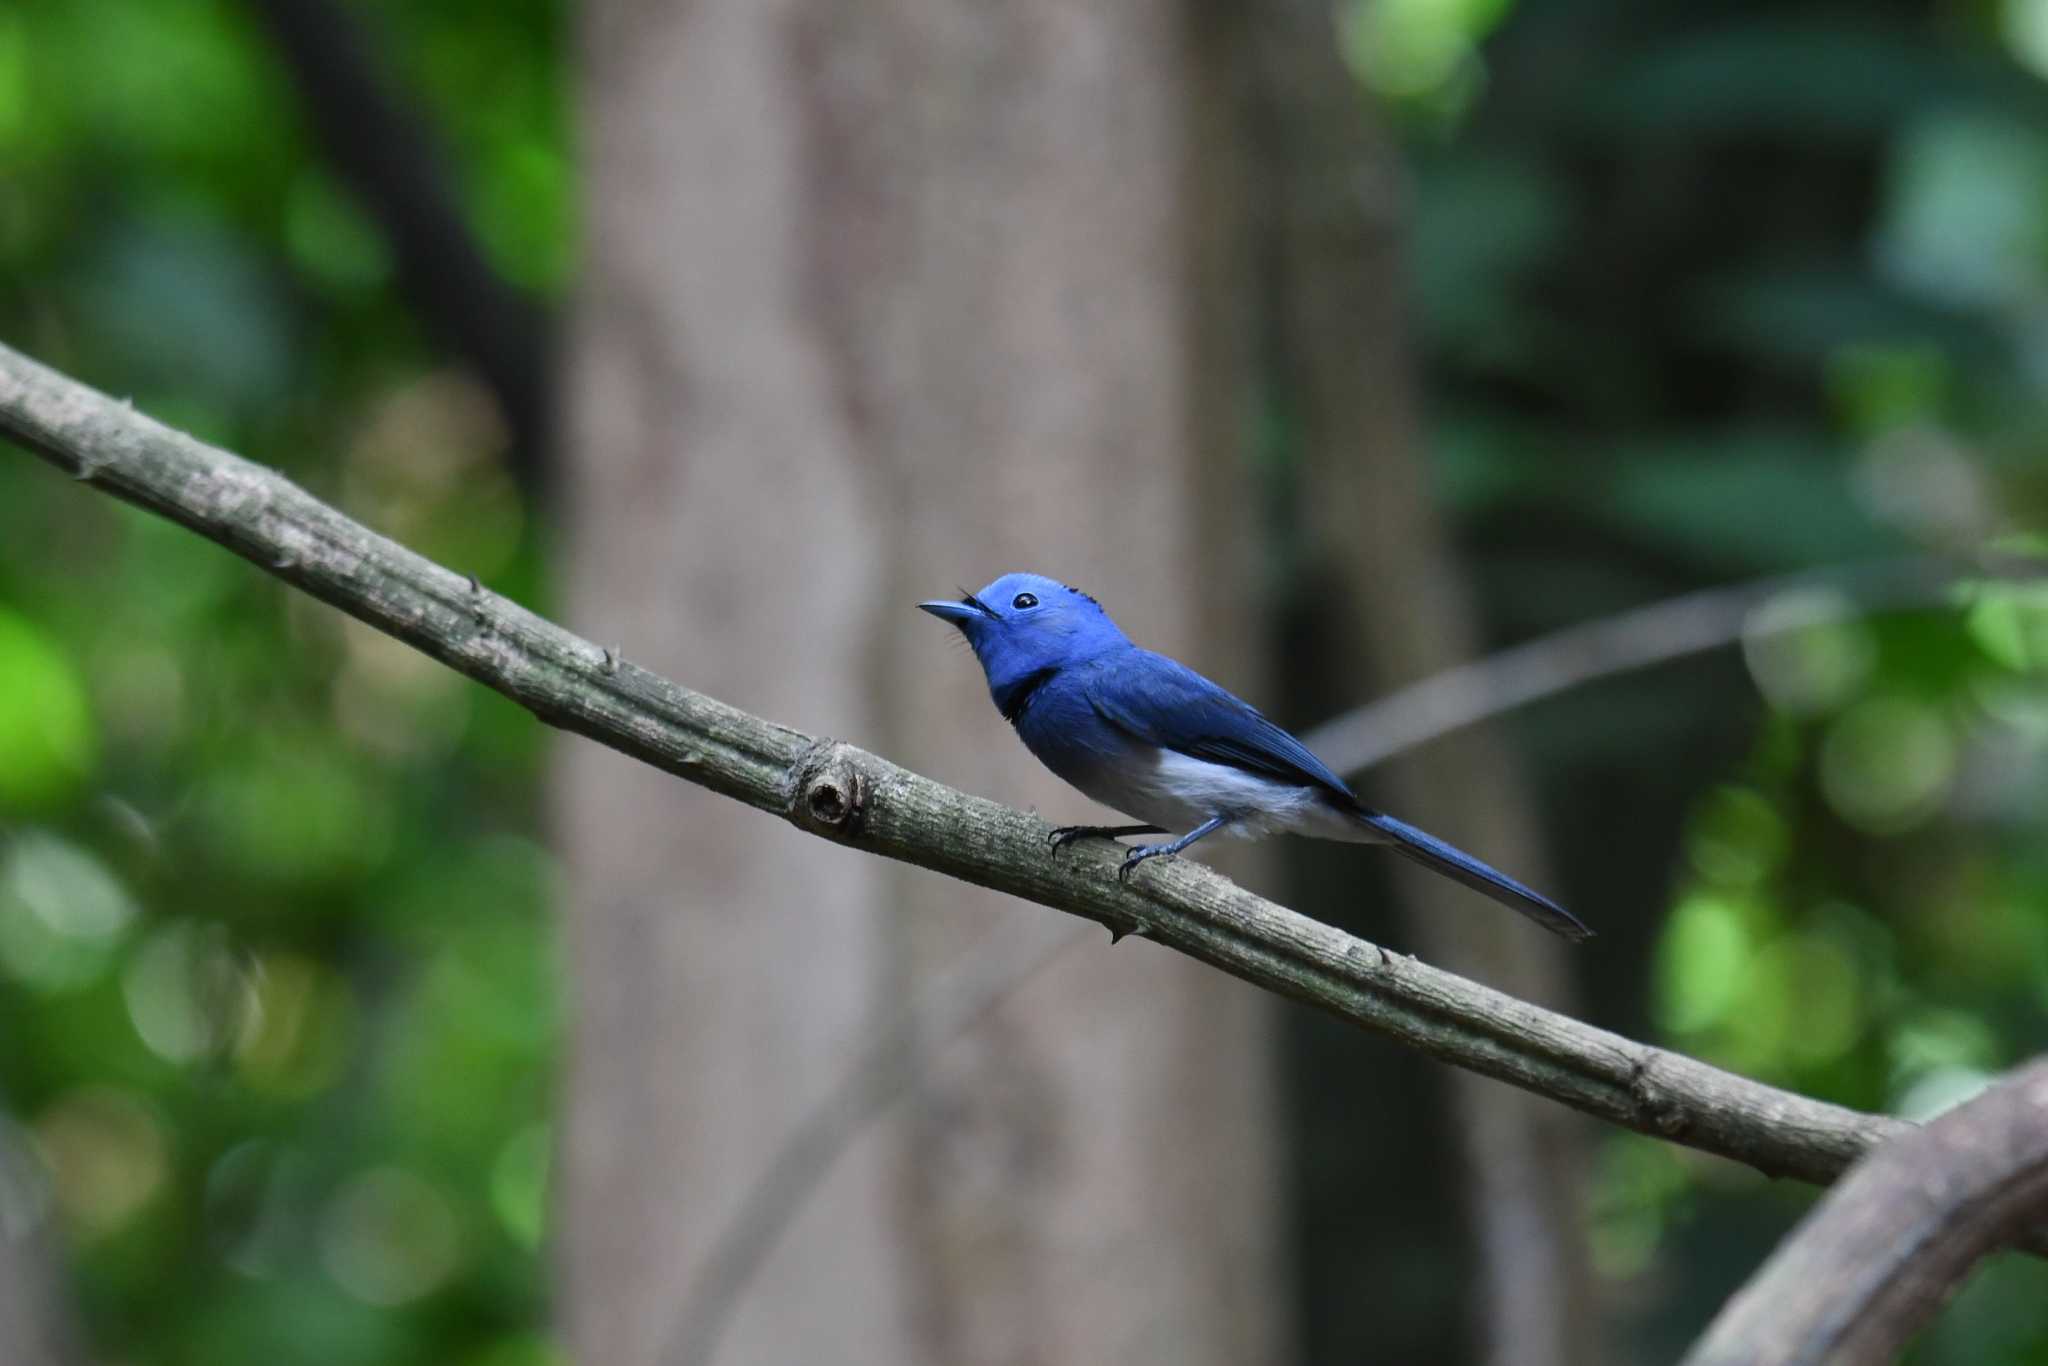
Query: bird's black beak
point(959, 613)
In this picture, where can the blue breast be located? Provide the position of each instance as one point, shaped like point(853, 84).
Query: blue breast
point(1059, 725)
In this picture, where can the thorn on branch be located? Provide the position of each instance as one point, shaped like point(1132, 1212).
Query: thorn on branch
point(480, 607)
point(611, 659)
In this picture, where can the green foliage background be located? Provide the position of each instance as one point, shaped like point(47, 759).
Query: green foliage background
point(1702, 290)
point(278, 990)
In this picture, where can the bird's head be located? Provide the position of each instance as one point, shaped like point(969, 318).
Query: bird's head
point(1023, 624)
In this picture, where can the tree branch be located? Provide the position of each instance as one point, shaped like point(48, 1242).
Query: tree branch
point(839, 792)
point(1872, 1262)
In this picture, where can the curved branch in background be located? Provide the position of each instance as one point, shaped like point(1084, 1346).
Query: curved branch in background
point(1674, 628)
point(384, 151)
point(1868, 1267)
point(842, 793)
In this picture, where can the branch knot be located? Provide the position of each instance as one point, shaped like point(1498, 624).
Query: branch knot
point(1657, 1109)
point(830, 793)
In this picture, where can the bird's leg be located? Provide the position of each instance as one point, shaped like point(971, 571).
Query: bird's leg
point(1145, 851)
point(1067, 834)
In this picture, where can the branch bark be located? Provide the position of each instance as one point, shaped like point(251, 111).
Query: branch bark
point(1875, 1259)
point(842, 793)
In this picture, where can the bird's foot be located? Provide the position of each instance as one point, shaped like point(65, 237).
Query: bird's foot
point(1067, 834)
point(1138, 856)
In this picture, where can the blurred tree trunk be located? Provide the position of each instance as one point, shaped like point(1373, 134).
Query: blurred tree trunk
point(881, 300)
point(33, 1331)
point(36, 1324)
point(1392, 596)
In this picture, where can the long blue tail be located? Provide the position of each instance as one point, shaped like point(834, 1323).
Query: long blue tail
point(1433, 854)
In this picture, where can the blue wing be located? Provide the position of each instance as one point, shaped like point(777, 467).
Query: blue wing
point(1159, 702)
point(1164, 703)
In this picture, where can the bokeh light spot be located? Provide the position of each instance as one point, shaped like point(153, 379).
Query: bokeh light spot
point(187, 991)
point(329, 237)
point(1886, 764)
point(1700, 962)
point(519, 1184)
point(47, 740)
point(1938, 1058)
point(107, 1156)
point(1635, 1187)
point(1425, 52)
point(297, 812)
point(1807, 651)
point(1736, 838)
point(389, 1237)
point(256, 1202)
point(2024, 24)
point(62, 912)
point(301, 1030)
point(1939, 1089)
point(1821, 987)
point(2009, 623)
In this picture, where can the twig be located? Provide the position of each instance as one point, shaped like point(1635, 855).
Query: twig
point(839, 792)
point(1874, 1259)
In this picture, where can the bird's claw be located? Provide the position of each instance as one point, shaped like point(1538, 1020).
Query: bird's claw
point(1136, 857)
point(1065, 835)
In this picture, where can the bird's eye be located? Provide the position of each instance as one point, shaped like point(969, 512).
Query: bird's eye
point(1023, 600)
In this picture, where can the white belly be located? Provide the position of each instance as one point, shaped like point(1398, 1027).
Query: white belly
point(1178, 793)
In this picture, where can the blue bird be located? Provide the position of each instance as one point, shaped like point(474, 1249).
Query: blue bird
point(1152, 738)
